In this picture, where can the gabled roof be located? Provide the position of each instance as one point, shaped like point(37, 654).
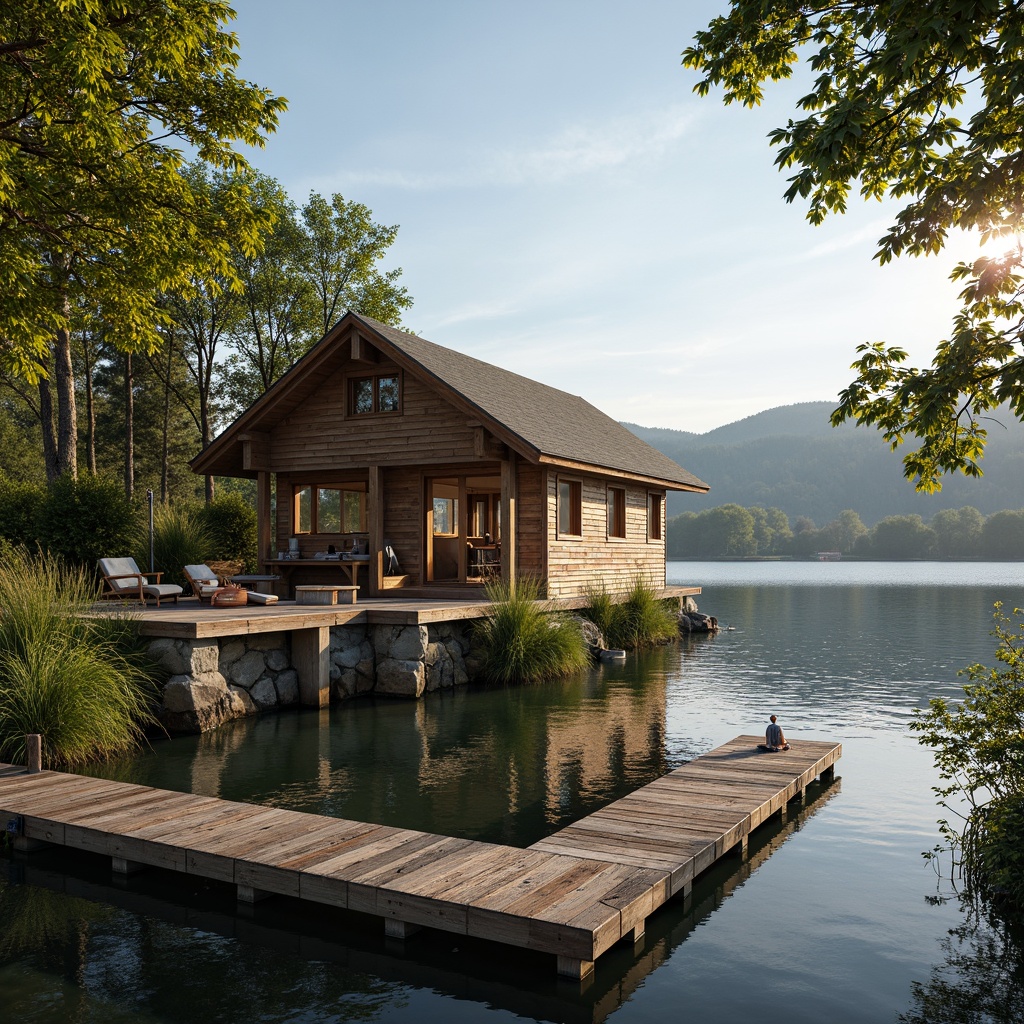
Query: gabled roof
point(541, 423)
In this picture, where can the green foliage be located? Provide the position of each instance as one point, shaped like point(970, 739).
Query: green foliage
point(87, 519)
point(100, 101)
point(181, 536)
point(20, 508)
point(902, 537)
point(522, 641)
point(978, 747)
point(230, 521)
point(1002, 535)
point(638, 620)
point(921, 105)
point(75, 680)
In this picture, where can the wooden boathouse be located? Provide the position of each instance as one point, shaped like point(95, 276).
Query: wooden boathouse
point(380, 438)
point(573, 894)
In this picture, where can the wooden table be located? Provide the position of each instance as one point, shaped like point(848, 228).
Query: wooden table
point(349, 571)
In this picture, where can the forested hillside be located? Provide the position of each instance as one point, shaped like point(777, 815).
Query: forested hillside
point(792, 459)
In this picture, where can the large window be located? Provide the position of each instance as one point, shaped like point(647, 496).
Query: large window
point(381, 393)
point(655, 511)
point(570, 508)
point(616, 512)
point(329, 509)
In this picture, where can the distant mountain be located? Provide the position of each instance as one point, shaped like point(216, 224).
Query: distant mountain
point(791, 458)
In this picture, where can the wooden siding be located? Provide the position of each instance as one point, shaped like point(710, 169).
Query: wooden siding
point(530, 516)
point(318, 436)
point(593, 559)
point(403, 519)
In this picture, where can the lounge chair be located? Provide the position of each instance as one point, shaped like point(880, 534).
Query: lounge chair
point(123, 579)
point(203, 581)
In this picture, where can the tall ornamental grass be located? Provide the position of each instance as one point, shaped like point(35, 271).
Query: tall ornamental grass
point(640, 620)
point(522, 642)
point(180, 537)
point(79, 682)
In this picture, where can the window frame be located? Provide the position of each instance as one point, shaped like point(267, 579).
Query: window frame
point(314, 509)
point(615, 505)
point(655, 517)
point(355, 379)
point(575, 511)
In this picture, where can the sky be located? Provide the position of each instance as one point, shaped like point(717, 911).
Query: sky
point(571, 210)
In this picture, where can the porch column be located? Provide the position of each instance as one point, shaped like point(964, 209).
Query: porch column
point(375, 521)
point(508, 520)
point(264, 533)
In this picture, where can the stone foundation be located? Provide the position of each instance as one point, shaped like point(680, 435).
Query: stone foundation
point(216, 680)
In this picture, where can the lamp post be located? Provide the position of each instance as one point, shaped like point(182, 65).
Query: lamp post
point(149, 499)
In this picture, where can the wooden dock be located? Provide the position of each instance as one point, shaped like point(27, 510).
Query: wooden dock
point(574, 894)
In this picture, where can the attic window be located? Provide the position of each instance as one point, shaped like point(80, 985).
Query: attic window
point(380, 393)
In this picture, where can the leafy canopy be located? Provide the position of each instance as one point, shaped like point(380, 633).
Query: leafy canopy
point(99, 101)
point(920, 102)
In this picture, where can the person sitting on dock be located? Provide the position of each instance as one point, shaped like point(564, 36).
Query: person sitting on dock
point(774, 738)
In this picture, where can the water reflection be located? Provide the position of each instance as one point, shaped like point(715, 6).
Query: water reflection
point(979, 981)
point(505, 766)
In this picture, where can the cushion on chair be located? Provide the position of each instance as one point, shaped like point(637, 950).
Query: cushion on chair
point(124, 568)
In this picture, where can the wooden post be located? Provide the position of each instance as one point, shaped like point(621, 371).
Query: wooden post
point(570, 967)
point(34, 753)
point(311, 656)
point(462, 529)
point(375, 521)
point(508, 520)
point(263, 531)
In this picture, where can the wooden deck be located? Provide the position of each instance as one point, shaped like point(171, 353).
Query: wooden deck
point(574, 894)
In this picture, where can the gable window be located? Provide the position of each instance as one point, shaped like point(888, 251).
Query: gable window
point(655, 507)
point(380, 393)
point(616, 502)
point(570, 508)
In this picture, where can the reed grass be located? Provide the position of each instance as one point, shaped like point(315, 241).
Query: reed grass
point(640, 620)
point(180, 537)
point(79, 682)
point(521, 641)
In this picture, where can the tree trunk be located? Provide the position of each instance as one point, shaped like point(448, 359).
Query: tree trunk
point(46, 425)
point(67, 411)
point(129, 426)
point(165, 439)
point(90, 405)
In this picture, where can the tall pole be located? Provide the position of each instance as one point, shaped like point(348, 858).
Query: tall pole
point(149, 498)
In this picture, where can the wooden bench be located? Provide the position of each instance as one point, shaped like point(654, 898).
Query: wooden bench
point(326, 594)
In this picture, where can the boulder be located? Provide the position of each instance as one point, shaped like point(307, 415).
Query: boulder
point(196, 704)
point(400, 678)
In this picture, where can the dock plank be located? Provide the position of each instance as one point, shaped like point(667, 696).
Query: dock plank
point(572, 894)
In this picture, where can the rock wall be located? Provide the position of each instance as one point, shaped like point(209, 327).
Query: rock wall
point(213, 681)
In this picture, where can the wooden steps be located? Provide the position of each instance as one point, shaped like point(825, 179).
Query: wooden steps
point(573, 894)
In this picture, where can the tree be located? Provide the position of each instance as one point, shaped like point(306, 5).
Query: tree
point(343, 246)
point(1002, 536)
point(957, 531)
point(921, 104)
point(843, 532)
point(98, 99)
point(902, 537)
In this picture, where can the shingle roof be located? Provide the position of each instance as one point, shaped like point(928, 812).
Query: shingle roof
point(540, 422)
point(552, 422)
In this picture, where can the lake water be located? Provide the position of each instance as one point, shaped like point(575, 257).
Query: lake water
point(834, 916)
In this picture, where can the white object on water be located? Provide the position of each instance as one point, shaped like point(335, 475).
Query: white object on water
point(615, 654)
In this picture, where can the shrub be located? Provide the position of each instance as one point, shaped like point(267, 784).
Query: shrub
point(640, 620)
point(978, 747)
point(20, 508)
point(521, 641)
point(231, 524)
point(88, 519)
point(77, 681)
point(180, 538)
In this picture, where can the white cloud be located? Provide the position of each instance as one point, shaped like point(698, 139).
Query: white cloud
point(574, 151)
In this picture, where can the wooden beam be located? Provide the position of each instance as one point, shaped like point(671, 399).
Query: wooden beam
point(255, 450)
point(508, 520)
point(375, 522)
point(264, 527)
point(463, 530)
point(311, 656)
